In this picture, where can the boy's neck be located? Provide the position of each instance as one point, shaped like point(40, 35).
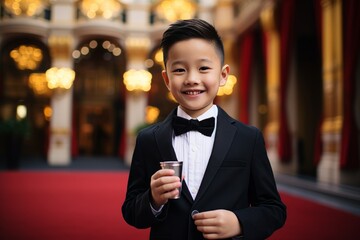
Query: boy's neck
point(193, 115)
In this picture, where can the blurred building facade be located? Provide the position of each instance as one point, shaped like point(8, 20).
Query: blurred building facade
point(82, 77)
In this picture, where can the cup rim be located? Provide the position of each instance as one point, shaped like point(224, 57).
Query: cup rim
point(173, 163)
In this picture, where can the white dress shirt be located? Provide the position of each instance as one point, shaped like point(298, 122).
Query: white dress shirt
point(194, 150)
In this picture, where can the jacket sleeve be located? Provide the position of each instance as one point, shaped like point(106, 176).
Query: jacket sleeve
point(266, 212)
point(136, 208)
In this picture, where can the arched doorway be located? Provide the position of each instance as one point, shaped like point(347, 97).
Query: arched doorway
point(99, 96)
point(24, 61)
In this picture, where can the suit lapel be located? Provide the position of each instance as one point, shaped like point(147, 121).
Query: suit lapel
point(163, 137)
point(225, 132)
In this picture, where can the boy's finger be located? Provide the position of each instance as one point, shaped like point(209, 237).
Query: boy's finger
point(194, 212)
point(204, 215)
point(163, 172)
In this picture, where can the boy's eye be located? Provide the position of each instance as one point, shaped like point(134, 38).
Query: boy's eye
point(204, 68)
point(178, 70)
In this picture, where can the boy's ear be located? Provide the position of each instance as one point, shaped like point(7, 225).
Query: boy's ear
point(224, 74)
point(166, 78)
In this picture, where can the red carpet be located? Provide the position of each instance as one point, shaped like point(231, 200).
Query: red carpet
point(310, 220)
point(87, 205)
point(64, 205)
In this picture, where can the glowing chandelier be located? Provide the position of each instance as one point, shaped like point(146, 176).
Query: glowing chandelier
point(100, 8)
point(227, 89)
point(25, 7)
point(39, 84)
point(173, 10)
point(137, 80)
point(60, 78)
point(26, 57)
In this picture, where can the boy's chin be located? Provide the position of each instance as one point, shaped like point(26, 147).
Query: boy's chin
point(194, 111)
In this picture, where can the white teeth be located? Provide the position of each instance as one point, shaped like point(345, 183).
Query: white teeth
point(193, 92)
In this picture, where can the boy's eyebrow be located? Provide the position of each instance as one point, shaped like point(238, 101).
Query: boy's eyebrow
point(183, 61)
point(205, 60)
point(177, 62)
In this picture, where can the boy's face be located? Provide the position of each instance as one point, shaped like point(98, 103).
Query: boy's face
point(193, 74)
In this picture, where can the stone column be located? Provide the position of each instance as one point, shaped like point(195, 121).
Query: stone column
point(224, 15)
point(61, 43)
point(137, 44)
point(205, 10)
point(222, 20)
point(273, 76)
point(273, 84)
point(329, 167)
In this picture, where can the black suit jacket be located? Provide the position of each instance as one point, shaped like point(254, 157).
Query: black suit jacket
point(238, 178)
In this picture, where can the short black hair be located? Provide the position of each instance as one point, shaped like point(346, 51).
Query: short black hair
point(189, 29)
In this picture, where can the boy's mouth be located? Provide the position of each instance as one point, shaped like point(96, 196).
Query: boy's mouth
point(193, 92)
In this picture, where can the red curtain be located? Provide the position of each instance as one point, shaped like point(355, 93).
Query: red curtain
point(122, 145)
point(285, 24)
point(351, 35)
point(246, 52)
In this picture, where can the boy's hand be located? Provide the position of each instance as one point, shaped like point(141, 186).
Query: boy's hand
point(217, 224)
point(163, 186)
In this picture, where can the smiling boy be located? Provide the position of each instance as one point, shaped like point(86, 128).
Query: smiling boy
point(228, 189)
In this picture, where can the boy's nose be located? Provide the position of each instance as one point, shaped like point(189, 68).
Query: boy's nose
point(192, 78)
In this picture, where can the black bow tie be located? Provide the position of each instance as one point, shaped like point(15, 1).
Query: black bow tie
point(182, 125)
